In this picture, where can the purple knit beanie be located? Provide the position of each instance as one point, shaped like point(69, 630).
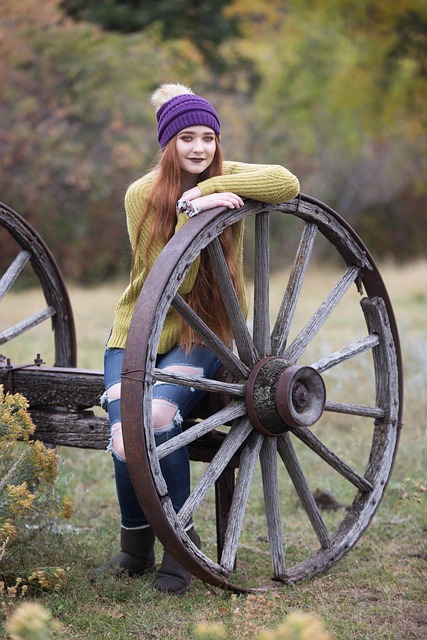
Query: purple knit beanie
point(181, 111)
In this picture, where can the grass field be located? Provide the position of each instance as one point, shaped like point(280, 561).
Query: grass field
point(378, 591)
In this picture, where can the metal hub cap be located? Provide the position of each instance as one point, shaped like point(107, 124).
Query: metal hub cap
point(279, 396)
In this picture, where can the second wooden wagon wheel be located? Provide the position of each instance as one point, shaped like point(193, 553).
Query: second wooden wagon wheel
point(29, 250)
point(287, 410)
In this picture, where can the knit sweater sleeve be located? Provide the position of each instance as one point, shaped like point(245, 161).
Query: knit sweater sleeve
point(267, 183)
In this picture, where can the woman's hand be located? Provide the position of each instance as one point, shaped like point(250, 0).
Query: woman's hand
point(229, 200)
point(191, 194)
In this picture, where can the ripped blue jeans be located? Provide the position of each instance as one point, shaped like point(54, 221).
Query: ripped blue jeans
point(176, 398)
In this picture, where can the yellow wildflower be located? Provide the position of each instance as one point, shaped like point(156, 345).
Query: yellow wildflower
point(67, 508)
point(45, 463)
point(21, 498)
point(7, 530)
point(15, 421)
point(210, 631)
point(32, 620)
point(298, 626)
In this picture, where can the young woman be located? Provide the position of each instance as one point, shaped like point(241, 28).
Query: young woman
point(190, 177)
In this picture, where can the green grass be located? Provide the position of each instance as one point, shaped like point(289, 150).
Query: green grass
point(377, 591)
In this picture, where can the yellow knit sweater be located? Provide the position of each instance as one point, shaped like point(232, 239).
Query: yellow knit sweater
point(268, 183)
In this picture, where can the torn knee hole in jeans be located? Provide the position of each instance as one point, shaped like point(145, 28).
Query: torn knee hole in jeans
point(111, 394)
point(117, 448)
point(165, 414)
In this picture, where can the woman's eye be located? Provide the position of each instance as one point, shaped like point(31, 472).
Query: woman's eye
point(208, 138)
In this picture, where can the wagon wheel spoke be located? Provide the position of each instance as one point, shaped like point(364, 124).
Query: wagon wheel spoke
point(11, 274)
point(298, 346)
point(351, 350)
point(270, 484)
point(340, 356)
point(44, 273)
point(289, 457)
point(206, 384)
point(223, 416)
point(355, 410)
point(308, 437)
point(25, 325)
point(261, 329)
point(234, 439)
point(244, 343)
point(227, 357)
point(293, 289)
point(9, 277)
point(248, 460)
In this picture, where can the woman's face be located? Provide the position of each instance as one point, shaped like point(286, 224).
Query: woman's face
point(196, 147)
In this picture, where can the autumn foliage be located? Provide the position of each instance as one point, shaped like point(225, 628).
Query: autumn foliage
point(335, 91)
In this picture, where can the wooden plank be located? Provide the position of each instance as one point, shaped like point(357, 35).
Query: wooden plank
point(68, 388)
point(71, 429)
point(83, 429)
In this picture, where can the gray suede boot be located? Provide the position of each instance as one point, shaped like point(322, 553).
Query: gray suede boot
point(136, 556)
point(171, 576)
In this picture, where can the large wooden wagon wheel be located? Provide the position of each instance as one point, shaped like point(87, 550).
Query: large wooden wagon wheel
point(287, 410)
point(32, 260)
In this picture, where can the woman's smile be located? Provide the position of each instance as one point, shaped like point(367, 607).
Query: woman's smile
point(196, 148)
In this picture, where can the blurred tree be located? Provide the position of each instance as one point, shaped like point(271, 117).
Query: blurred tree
point(202, 22)
point(74, 130)
point(342, 102)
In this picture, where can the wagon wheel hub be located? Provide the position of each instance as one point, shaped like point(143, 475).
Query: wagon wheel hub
point(280, 395)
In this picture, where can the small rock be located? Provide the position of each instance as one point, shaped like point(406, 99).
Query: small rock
point(326, 501)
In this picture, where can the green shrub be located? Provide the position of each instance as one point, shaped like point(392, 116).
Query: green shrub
point(28, 473)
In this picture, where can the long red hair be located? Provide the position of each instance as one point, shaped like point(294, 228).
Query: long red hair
point(205, 297)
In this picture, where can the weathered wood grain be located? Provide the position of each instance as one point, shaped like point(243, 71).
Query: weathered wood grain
point(261, 326)
point(293, 290)
point(248, 460)
point(13, 271)
point(243, 339)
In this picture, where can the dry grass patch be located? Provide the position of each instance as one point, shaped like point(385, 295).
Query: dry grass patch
point(376, 592)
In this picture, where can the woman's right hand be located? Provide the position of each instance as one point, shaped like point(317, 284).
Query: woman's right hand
point(227, 199)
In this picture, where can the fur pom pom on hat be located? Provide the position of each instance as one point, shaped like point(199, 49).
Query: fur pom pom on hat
point(178, 107)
